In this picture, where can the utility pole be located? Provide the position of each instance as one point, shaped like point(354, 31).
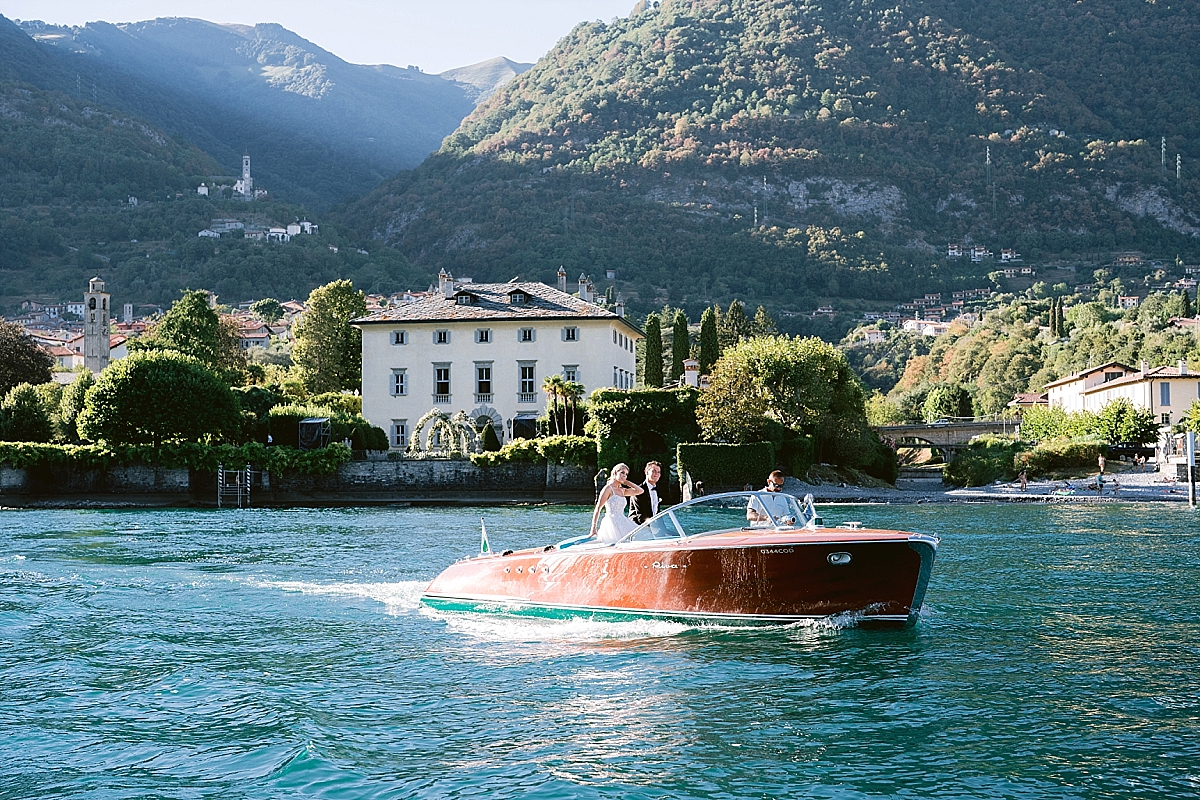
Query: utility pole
point(1178, 168)
point(1164, 158)
point(1191, 465)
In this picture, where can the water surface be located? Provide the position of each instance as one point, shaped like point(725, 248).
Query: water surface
point(271, 654)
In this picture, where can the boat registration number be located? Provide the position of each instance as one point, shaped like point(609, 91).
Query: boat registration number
point(777, 550)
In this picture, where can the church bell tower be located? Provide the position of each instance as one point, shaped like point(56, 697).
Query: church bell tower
point(95, 327)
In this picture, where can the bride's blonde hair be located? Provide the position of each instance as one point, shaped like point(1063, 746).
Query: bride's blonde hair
point(613, 472)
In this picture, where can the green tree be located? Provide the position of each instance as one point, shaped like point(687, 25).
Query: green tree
point(763, 324)
point(734, 325)
point(572, 391)
point(328, 351)
point(22, 360)
point(948, 400)
point(194, 329)
point(25, 417)
point(268, 309)
point(804, 385)
point(489, 442)
point(710, 346)
point(1120, 422)
point(652, 370)
point(72, 403)
point(680, 345)
point(882, 411)
point(158, 396)
point(553, 386)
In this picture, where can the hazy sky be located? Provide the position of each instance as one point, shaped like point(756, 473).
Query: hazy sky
point(435, 35)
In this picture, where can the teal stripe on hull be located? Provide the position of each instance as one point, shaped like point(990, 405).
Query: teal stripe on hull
point(524, 609)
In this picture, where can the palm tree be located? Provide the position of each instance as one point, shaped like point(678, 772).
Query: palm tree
point(572, 391)
point(553, 386)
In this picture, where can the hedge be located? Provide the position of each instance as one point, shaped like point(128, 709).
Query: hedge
point(725, 465)
point(577, 450)
point(283, 424)
point(202, 457)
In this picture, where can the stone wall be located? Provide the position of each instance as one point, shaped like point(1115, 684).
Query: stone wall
point(59, 479)
point(355, 483)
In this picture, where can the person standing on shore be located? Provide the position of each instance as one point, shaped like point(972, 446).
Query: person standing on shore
point(1101, 462)
point(1024, 478)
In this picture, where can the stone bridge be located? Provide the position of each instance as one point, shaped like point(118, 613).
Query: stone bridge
point(948, 437)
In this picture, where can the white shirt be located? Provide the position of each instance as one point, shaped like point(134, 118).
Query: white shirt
point(653, 499)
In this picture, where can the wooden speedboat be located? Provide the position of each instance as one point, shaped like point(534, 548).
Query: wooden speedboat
point(741, 557)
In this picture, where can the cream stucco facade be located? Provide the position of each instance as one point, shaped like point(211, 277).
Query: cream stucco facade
point(485, 349)
point(1167, 392)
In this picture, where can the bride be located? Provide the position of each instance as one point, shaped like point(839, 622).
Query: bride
point(615, 526)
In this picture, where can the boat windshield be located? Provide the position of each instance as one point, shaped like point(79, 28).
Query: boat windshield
point(725, 512)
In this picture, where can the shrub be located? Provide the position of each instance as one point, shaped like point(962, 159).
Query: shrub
point(1061, 454)
point(178, 455)
point(24, 417)
point(985, 460)
point(283, 423)
point(579, 451)
point(350, 404)
point(726, 465)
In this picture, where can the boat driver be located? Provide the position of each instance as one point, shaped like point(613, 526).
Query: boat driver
point(756, 512)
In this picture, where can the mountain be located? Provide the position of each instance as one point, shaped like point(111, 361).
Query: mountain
point(319, 129)
point(792, 153)
point(484, 78)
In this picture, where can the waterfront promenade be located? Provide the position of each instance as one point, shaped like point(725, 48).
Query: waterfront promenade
point(1133, 487)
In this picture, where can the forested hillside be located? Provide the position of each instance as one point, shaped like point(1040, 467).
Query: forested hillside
point(792, 152)
point(318, 128)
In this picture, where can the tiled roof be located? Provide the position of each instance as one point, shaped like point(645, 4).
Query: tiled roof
point(1076, 376)
point(491, 302)
point(1157, 373)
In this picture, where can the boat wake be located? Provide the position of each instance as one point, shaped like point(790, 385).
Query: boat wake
point(398, 597)
point(514, 628)
point(509, 628)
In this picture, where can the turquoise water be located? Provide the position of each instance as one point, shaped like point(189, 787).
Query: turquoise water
point(280, 654)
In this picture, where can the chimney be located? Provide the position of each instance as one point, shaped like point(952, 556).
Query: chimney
point(442, 276)
point(447, 285)
point(620, 308)
point(1183, 366)
point(591, 290)
point(1145, 367)
point(583, 288)
point(691, 372)
point(562, 280)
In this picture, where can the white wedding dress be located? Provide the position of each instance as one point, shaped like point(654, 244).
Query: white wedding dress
point(615, 526)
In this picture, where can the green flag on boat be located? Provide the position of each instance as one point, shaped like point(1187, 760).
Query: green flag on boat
point(484, 547)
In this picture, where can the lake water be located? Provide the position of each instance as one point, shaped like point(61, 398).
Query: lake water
point(279, 654)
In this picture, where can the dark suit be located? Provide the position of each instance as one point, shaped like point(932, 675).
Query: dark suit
point(639, 505)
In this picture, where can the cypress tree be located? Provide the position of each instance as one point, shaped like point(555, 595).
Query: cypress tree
point(764, 324)
point(710, 349)
point(652, 372)
point(1188, 310)
point(680, 344)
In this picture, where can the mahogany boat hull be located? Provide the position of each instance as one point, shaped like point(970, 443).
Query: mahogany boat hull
point(738, 577)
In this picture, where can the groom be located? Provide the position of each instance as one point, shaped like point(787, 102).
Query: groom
point(645, 505)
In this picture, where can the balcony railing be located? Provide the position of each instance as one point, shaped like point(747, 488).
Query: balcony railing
point(483, 398)
point(527, 397)
point(441, 399)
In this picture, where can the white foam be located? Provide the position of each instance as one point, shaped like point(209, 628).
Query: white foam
point(398, 596)
point(507, 628)
point(11, 559)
